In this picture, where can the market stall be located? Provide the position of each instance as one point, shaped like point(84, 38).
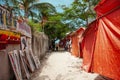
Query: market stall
point(16, 55)
point(76, 38)
point(9, 41)
point(101, 41)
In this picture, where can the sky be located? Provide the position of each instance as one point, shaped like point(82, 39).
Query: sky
point(57, 3)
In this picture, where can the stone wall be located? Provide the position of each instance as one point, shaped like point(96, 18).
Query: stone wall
point(39, 44)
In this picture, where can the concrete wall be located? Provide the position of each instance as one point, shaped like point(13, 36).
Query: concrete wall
point(39, 44)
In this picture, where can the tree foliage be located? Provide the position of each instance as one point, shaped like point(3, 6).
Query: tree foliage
point(55, 28)
point(35, 26)
point(32, 8)
point(54, 24)
point(80, 12)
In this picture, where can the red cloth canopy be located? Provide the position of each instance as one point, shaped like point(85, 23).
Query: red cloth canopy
point(88, 44)
point(100, 46)
point(76, 38)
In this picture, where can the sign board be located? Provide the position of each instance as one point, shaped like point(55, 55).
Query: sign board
point(9, 33)
point(15, 61)
point(24, 29)
point(7, 20)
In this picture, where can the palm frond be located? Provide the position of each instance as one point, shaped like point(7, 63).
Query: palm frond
point(45, 6)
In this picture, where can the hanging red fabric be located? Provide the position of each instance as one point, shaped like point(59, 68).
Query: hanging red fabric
point(100, 46)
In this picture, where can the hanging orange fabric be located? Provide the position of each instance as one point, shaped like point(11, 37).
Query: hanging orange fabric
point(76, 38)
point(106, 6)
point(87, 45)
point(80, 32)
point(75, 49)
point(106, 53)
point(101, 48)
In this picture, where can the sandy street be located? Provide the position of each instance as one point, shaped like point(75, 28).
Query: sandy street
point(63, 66)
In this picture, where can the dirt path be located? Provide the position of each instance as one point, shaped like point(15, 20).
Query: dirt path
point(63, 66)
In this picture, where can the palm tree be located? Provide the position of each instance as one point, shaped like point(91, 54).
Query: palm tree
point(45, 10)
point(31, 7)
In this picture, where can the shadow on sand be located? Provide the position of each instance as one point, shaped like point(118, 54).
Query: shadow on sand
point(100, 77)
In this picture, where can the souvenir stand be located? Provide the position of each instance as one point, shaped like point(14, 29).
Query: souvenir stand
point(16, 57)
point(9, 41)
point(28, 62)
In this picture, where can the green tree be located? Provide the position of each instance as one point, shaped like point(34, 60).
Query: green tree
point(35, 26)
point(29, 7)
point(45, 10)
point(38, 11)
point(55, 28)
point(80, 12)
